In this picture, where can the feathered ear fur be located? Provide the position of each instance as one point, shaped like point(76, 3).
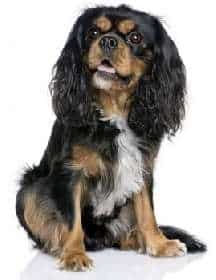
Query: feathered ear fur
point(158, 105)
point(69, 85)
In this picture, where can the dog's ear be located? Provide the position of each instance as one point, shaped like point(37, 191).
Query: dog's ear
point(69, 86)
point(158, 105)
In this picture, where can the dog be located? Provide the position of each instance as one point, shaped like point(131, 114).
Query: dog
point(118, 88)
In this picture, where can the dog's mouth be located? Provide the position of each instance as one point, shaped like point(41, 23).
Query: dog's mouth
point(106, 70)
point(106, 75)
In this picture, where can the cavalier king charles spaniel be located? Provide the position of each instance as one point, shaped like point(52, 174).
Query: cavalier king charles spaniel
point(117, 89)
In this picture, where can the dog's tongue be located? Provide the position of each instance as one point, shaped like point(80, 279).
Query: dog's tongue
point(106, 69)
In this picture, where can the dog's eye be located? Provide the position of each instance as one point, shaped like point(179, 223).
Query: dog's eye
point(135, 37)
point(93, 32)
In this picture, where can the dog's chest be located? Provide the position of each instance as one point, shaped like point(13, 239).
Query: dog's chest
point(128, 171)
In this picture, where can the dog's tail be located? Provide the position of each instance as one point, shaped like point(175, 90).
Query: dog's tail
point(193, 244)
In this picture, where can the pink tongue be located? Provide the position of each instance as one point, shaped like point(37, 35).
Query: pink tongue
point(106, 69)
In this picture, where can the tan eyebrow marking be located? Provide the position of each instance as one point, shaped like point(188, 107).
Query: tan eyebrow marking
point(125, 26)
point(103, 23)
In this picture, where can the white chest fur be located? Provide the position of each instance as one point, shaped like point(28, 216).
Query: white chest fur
point(128, 171)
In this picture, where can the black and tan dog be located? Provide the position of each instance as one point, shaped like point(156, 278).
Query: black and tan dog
point(118, 88)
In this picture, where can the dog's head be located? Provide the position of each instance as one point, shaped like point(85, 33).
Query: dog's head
point(118, 55)
point(115, 50)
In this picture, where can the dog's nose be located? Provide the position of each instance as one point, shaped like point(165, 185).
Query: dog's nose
point(108, 43)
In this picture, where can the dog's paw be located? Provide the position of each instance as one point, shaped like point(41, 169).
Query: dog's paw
point(167, 248)
point(75, 262)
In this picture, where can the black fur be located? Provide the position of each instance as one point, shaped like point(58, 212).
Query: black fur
point(158, 106)
point(157, 109)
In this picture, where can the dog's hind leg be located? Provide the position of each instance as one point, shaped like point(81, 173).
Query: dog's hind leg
point(50, 211)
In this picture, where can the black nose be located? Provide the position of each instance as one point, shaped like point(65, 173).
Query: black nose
point(108, 43)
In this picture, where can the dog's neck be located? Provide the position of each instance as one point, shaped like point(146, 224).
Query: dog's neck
point(114, 103)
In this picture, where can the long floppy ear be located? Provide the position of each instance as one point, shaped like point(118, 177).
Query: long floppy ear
point(69, 86)
point(158, 105)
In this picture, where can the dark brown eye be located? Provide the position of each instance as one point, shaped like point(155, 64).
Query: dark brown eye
point(93, 32)
point(135, 37)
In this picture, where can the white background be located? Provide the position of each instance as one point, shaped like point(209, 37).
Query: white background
point(32, 33)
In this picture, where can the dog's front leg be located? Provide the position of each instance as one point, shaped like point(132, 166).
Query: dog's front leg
point(73, 256)
point(149, 236)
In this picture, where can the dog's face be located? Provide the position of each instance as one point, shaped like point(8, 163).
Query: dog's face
point(118, 51)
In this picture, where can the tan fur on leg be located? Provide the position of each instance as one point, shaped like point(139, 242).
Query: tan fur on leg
point(129, 242)
point(43, 224)
point(149, 233)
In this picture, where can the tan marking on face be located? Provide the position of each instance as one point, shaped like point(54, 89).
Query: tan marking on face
point(116, 100)
point(87, 160)
point(43, 224)
point(122, 59)
point(127, 65)
point(126, 26)
point(124, 62)
point(73, 255)
point(103, 23)
point(95, 55)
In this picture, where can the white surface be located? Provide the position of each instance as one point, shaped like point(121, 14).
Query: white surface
point(111, 264)
point(32, 35)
